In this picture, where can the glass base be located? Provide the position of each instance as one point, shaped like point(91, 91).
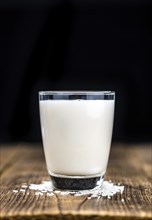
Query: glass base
point(76, 183)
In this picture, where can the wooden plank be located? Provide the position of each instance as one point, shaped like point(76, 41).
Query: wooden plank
point(25, 164)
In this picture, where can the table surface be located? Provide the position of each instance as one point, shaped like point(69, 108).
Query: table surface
point(24, 164)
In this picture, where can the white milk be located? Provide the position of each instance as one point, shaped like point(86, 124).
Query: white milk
point(77, 135)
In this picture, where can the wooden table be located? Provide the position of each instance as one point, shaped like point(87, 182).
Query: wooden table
point(24, 164)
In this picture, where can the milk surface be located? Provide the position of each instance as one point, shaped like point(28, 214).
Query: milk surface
point(76, 135)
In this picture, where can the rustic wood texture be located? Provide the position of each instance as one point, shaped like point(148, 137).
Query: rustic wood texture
point(129, 165)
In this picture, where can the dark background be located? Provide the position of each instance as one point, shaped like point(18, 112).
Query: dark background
point(75, 45)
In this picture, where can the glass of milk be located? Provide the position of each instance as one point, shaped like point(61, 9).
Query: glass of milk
point(76, 131)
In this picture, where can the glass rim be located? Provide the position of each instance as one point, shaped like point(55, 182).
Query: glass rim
point(75, 92)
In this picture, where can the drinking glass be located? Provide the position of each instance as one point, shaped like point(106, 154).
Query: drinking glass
point(76, 131)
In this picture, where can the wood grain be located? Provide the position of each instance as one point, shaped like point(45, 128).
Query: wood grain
point(24, 164)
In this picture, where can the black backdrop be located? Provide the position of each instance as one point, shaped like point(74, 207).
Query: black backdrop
point(75, 45)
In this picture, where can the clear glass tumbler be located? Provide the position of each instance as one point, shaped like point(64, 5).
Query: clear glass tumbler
point(76, 131)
